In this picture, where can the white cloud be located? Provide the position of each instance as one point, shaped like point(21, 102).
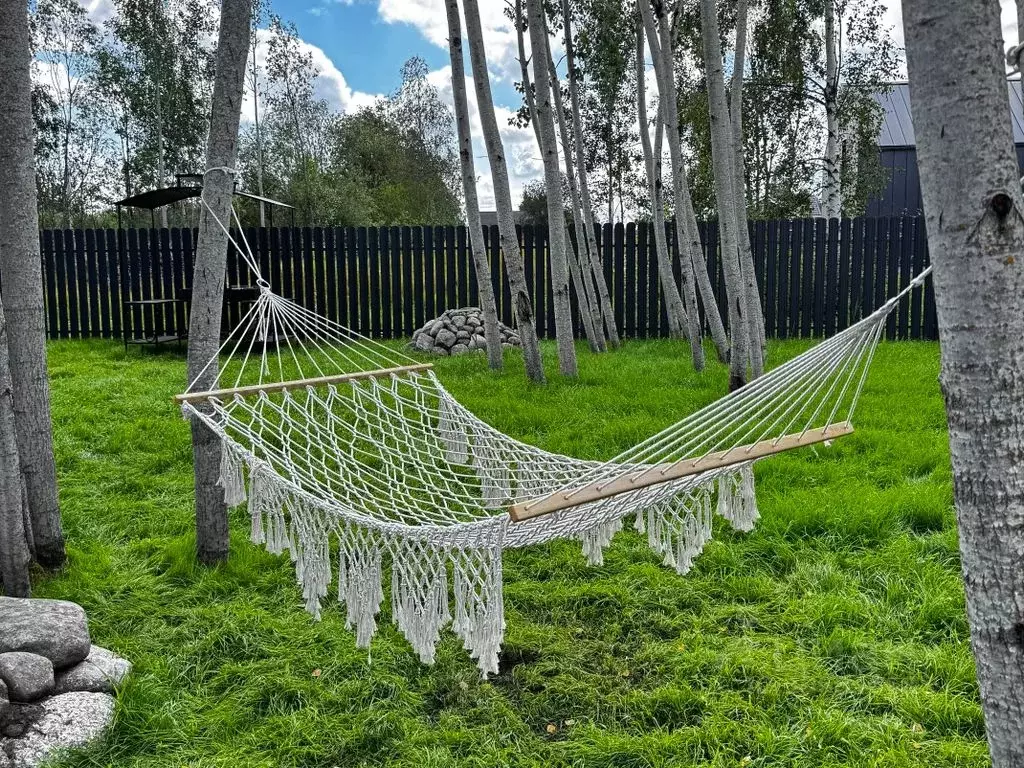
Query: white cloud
point(330, 84)
point(429, 17)
point(521, 153)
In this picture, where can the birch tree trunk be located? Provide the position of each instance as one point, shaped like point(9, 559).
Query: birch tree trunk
point(692, 262)
point(594, 338)
point(553, 186)
point(488, 306)
point(21, 272)
point(755, 313)
point(722, 161)
point(590, 309)
point(832, 202)
point(674, 309)
point(973, 213)
point(593, 255)
point(14, 550)
point(211, 258)
point(502, 196)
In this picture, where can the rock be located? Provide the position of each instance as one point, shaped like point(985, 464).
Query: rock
point(477, 342)
point(435, 326)
point(55, 629)
point(506, 345)
point(33, 734)
point(516, 342)
point(459, 349)
point(28, 676)
point(101, 672)
point(458, 320)
point(446, 338)
point(423, 342)
point(5, 703)
point(463, 335)
point(479, 331)
point(473, 322)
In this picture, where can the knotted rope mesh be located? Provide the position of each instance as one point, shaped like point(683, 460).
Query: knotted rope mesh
point(385, 469)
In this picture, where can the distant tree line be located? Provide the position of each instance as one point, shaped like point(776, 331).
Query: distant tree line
point(121, 108)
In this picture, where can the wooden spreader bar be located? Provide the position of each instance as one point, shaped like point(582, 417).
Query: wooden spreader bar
point(281, 386)
point(664, 473)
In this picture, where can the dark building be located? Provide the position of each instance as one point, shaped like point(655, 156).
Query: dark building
point(902, 194)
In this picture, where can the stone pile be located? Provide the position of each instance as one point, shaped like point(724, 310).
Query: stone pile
point(458, 331)
point(55, 686)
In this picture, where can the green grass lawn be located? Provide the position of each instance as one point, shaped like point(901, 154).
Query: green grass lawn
point(833, 635)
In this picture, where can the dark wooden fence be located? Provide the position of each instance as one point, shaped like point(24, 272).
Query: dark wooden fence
point(816, 276)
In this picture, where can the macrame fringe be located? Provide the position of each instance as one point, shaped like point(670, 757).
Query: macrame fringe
point(479, 604)
point(678, 528)
point(737, 501)
point(596, 539)
point(419, 596)
point(231, 477)
point(359, 581)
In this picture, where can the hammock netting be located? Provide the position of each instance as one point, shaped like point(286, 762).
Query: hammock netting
point(355, 459)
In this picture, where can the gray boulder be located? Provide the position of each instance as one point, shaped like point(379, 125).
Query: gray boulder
point(5, 703)
point(34, 733)
point(446, 338)
point(28, 676)
point(101, 672)
point(423, 342)
point(459, 348)
point(55, 629)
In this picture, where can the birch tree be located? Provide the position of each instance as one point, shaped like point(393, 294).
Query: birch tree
point(210, 264)
point(488, 306)
point(21, 273)
point(14, 550)
point(974, 215)
point(694, 268)
point(579, 263)
point(586, 204)
point(755, 313)
point(832, 201)
point(591, 325)
point(722, 156)
point(502, 195)
point(553, 183)
point(674, 309)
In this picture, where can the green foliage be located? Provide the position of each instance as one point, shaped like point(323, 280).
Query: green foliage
point(833, 635)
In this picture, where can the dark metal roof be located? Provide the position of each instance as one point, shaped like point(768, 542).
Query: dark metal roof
point(898, 127)
point(157, 198)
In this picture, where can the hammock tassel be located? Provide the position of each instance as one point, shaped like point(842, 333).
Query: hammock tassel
point(678, 529)
point(359, 581)
point(737, 500)
point(596, 539)
point(419, 595)
point(231, 477)
point(479, 604)
point(311, 531)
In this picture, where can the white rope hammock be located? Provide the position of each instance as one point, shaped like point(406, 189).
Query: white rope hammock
point(347, 443)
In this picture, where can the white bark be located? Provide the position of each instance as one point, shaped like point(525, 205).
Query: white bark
point(553, 185)
point(211, 259)
point(832, 200)
point(595, 339)
point(973, 212)
point(590, 310)
point(21, 270)
point(692, 261)
point(674, 309)
point(485, 286)
point(755, 314)
point(14, 550)
point(502, 196)
point(722, 156)
point(594, 256)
